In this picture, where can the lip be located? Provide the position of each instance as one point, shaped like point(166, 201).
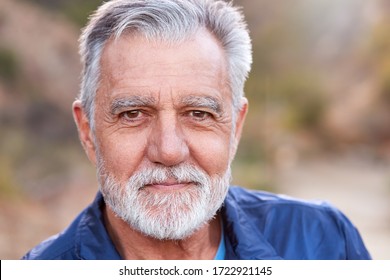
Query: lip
point(170, 186)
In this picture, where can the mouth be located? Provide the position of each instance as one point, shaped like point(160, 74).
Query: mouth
point(170, 185)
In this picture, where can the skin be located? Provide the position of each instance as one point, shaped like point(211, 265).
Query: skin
point(160, 104)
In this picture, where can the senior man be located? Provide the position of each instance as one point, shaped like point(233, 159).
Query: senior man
point(160, 115)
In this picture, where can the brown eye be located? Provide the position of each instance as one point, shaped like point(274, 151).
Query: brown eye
point(131, 115)
point(200, 115)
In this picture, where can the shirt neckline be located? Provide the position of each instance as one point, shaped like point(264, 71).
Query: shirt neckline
point(221, 252)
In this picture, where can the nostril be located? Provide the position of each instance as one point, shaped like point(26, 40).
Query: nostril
point(168, 147)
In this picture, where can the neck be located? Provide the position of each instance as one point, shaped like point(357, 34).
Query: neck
point(132, 244)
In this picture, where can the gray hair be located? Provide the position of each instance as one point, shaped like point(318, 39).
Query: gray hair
point(169, 21)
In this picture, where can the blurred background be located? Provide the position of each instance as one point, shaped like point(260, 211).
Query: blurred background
point(318, 124)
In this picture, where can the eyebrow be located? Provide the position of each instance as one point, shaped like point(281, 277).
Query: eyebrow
point(203, 101)
point(118, 104)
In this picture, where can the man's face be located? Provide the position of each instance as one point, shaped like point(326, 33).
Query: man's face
point(165, 107)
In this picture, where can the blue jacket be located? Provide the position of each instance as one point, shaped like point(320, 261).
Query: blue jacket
point(257, 225)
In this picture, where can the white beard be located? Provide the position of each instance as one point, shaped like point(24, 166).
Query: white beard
point(175, 215)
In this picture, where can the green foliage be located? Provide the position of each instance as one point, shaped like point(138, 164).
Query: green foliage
point(298, 98)
point(8, 65)
point(385, 84)
point(303, 100)
point(77, 11)
point(7, 185)
point(12, 146)
point(254, 175)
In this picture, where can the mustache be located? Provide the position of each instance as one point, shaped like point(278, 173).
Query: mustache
point(183, 173)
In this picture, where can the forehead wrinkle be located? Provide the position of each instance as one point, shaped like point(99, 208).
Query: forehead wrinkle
point(131, 101)
point(202, 101)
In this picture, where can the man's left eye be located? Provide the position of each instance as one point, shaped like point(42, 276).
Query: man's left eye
point(200, 115)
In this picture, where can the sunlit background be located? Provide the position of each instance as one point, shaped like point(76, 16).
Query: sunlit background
point(318, 125)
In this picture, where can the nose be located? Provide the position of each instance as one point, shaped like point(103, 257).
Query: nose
point(167, 144)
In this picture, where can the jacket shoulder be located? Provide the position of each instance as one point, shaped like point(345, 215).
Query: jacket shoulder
point(277, 208)
point(293, 225)
point(249, 200)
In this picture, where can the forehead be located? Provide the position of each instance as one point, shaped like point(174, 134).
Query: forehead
point(131, 63)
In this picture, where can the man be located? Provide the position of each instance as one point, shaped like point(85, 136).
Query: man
point(160, 115)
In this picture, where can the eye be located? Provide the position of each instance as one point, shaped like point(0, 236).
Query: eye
point(131, 115)
point(199, 115)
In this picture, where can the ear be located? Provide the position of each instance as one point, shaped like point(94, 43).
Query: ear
point(85, 131)
point(240, 120)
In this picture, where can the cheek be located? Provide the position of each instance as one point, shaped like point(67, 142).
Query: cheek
point(122, 155)
point(211, 153)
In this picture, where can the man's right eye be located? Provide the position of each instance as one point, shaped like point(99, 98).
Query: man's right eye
point(131, 115)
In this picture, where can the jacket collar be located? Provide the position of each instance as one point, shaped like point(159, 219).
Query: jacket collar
point(92, 239)
point(242, 238)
